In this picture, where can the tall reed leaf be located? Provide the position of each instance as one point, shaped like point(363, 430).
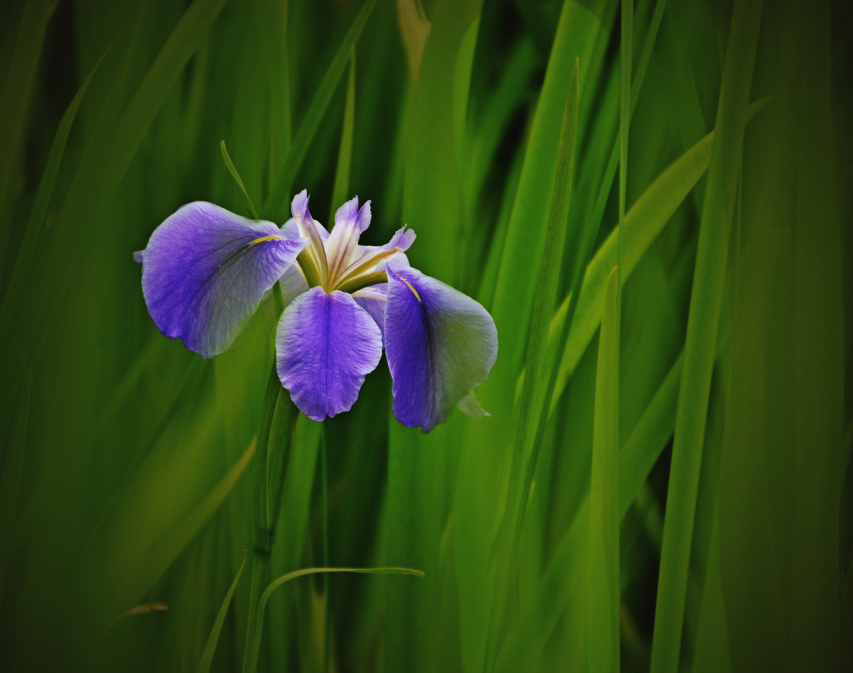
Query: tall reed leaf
point(11, 478)
point(481, 486)
point(27, 252)
point(525, 449)
point(213, 639)
point(19, 83)
point(643, 222)
point(602, 561)
point(256, 644)
point(705, 302)
point(279, 194)
point(340, 191)
point(234, 174)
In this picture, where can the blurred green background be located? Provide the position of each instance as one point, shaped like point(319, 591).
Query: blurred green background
point(664, 483)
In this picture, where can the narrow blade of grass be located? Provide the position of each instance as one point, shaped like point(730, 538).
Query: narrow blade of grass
point(643, 222)
point(602, 586)
point(26, 255)
point(275, 584)
point(19, 83)
point(525, 450)
point(161, 556)
point(281, 186)
point(213, 639)
point(12, 476)
point(481, 486)
point(340, 191)
point(234, 174)
point(705, 302)
point(157, 84)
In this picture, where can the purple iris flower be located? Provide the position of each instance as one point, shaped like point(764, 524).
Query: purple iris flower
point(206, 270)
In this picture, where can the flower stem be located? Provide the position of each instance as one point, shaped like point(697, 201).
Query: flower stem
point(326, 616)
point(275, 438)
point(260, 579)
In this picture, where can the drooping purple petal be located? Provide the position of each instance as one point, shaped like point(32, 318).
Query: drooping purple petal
point(325, 345)
point(205, 270)
point(440, 344)
point(373, 299)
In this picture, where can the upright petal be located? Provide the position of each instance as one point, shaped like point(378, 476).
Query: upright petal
point(401, 240)
point(440, 344)
point(342, 245)
point(350, 216)
point(326, 344)
point(205, 270)
point(373, 299)
point(292, 285)
point(301, 214)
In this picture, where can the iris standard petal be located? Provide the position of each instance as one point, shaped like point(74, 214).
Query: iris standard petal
point(325, 345)
point(373, 299)
point(205, 270)
point(349, 216)
point(342, 244)
point(292, 285)
point(440, 344)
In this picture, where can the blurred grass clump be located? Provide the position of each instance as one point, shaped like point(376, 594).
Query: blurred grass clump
point(664, 483)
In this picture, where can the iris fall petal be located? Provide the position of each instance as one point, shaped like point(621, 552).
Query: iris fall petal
point(326, 344)
point(440, 344)
point(205, 270)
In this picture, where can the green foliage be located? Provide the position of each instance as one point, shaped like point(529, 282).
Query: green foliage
point(665, 480)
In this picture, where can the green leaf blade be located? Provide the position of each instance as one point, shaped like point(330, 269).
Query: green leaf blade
point(213, 639)
point(705, 303)
point(602, 587)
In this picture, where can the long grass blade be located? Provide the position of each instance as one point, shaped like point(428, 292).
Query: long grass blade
point(340, 191)
point(161, 76)
point(162, 555)
point(643, 222)
point(256, 644)
point(213, 639)
point(283, 183)
point(525, 450)
point(11, 478)
point(705, 302)
point(19, 84)
point(27, 253)
point(602, 587)
point(234, 174)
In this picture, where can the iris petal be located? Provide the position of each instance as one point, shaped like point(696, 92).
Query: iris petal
point(440, 344)
point(292, 285)
point(326, 344)
point(373, 299)
point(205, 270)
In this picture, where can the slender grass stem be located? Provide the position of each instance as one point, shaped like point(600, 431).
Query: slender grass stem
point(327, 623)
point(702, 323)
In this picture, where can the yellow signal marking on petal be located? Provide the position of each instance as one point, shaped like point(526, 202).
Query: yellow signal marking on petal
point(414, 291)
point(262, 239)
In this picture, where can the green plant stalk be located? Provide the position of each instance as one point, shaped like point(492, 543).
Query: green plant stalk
point(602, 586)
point(255, 645)
point(213, 639)
point(327, 624)
point(564, 316)
point(524, 449)
point(275, 438)
point(702, 323)
point(19, 84)
point(283, 181)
